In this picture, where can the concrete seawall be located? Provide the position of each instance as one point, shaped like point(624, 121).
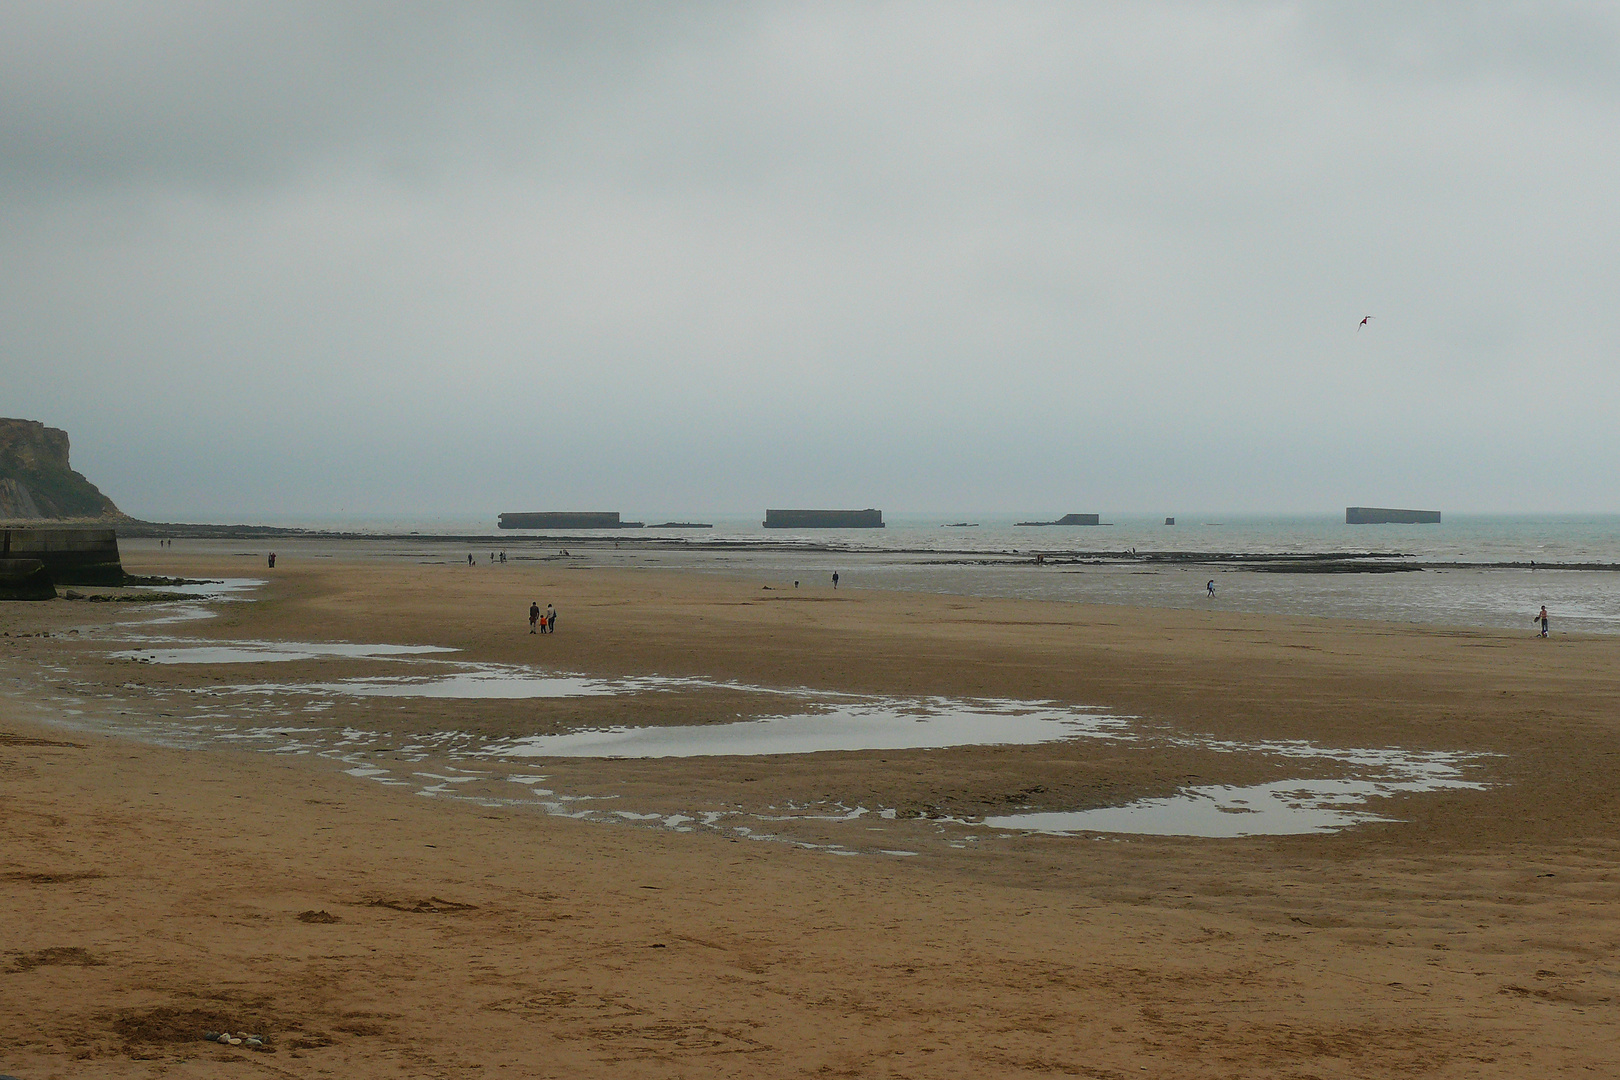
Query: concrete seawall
point(69, 556)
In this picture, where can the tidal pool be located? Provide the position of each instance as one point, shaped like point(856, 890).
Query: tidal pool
point(1282, 807)
point(931, 724)
point(815, 722)
point(218, 588)
point(483, 682)
point(267, 652)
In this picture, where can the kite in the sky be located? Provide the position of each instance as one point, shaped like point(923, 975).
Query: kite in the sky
point(1364, 321)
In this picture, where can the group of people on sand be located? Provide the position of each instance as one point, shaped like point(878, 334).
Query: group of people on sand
point(542, 622)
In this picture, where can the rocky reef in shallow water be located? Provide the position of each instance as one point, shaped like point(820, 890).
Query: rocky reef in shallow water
point(36, 482)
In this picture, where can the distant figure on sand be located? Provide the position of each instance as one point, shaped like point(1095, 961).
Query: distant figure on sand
point(1211, 586)
point(534, 615)
point(1542, 618)
point(469, 558)
point(835, 579)
point(551, 619)
point(272, 560)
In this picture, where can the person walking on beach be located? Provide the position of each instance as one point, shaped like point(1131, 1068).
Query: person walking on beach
point(1211, 586)
point(534, 615)
point(551, 619)
point(1542, 618)
point(835, 579)
point(469, 558)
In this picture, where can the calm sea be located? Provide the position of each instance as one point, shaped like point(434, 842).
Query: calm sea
point(990, 555)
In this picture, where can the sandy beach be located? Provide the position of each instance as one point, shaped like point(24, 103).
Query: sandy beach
point(153, 892)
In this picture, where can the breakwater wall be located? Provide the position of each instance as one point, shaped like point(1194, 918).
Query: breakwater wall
point(1071, 519)
point(69, 556)
point(1379, 515)
point(823, 519)
point(585, 519)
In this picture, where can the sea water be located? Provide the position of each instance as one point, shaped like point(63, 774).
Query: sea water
point(1473, 570)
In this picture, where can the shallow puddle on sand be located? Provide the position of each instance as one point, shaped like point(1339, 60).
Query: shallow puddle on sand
point(201, 593)
point(826, 722)
point(218, 588)
point(466, 686)
point(267, 652)
point(931, 724)
point(1279, 808)
point(475, 682)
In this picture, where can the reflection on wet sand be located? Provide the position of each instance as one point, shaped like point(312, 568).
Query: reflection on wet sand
point(463, 766)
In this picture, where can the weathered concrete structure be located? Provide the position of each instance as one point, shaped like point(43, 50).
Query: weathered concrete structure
point(69, 556)
point(823, 519)
point(585, 519)
point(1068, 519)
point(1378, 515)
point(25, 579)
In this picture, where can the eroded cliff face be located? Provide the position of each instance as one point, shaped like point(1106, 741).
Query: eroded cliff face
point(36, 482)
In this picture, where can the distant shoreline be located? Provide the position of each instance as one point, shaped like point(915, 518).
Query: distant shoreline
point(1272, 562)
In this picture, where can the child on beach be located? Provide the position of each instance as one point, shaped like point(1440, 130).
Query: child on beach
point(1542, 619)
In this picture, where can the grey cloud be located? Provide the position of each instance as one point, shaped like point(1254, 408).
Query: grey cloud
point(244, 94)
point(993, 250)
point(1567, 46)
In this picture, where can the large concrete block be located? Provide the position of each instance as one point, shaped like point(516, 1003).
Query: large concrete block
point(70, 556)
point(25, 579)
point(823, 519)
point(1379, 515)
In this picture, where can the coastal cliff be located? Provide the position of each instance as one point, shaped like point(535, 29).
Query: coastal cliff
point(36, 482)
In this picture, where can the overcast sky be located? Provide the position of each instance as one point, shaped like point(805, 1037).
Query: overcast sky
point(283, 260)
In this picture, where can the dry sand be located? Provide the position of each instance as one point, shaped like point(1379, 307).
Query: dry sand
point(152, 893)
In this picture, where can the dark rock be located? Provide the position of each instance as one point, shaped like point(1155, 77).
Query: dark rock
point(25, 579)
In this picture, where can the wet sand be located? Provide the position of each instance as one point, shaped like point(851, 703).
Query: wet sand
point(151, 893)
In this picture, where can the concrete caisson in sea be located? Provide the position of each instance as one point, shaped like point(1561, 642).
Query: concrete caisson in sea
point(1068, 519)
point(588, 519)
point(823, 519)
point(1379, 515)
